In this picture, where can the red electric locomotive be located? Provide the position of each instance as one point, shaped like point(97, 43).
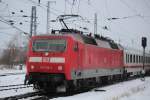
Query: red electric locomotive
point(70, 59)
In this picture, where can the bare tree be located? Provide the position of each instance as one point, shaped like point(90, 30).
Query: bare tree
point(13, 54)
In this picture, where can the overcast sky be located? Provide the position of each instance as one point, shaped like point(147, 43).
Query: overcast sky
point(134, 17)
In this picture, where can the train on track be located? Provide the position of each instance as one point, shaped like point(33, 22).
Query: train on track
point(73, 59)
point(70, 60)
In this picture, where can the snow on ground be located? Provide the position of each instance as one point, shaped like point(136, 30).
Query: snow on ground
point(131, 90)
point(3, 70)
point(13, 80)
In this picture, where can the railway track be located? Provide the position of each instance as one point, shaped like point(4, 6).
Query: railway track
point(22, 96)
point(11, 85)
point(8, 74)
point(47, 96)
point(14, 87)
point(41, 95)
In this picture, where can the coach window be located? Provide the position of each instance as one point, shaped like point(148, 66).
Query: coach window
point(131, 58)
point(136, 59)
point(126, 58)
point(140, 59)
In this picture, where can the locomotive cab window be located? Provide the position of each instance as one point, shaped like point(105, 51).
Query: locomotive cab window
point(54, 45)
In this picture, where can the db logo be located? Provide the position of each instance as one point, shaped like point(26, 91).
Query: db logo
point(45, 59)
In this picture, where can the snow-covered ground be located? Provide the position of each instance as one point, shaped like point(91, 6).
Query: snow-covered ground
point(16, 69)
point(129, 90)
point(12, 80)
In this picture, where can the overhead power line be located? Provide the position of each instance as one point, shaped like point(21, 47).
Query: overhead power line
point(45, 7)
point(134, 10)
point(6, 22)
point(126, 17)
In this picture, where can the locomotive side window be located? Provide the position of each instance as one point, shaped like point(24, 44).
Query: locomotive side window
point(49, 45)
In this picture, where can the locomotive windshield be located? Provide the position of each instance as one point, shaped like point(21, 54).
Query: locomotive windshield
point(54, 45)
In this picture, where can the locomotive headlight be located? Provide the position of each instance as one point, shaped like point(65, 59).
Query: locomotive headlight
point(32, 67)
point(60, 68)
point(46, 53)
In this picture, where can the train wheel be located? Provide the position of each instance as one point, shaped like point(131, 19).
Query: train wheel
point(104, 80)
point(66, 86)
point(37, 86)
point(70, 87)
